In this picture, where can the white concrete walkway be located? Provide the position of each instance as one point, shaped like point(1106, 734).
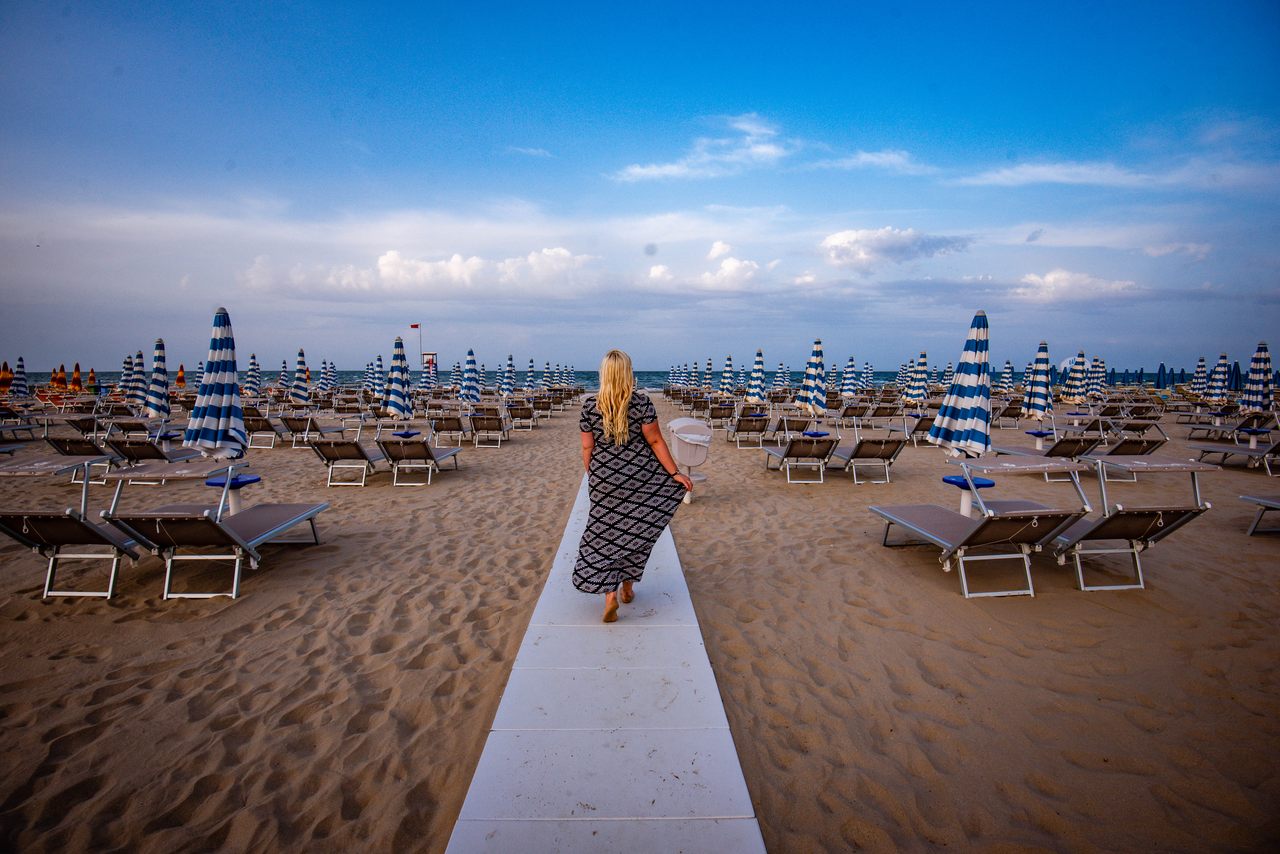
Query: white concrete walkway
point(610, 737)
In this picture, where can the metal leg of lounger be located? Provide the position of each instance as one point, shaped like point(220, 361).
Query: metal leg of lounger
point(790, 465)
point(1023, 555)
point(57, 555)
point(1132, 551)
point(407, 467)
point(362, 467)
point(853, 468)
point(1254, 529)
point(170, 556)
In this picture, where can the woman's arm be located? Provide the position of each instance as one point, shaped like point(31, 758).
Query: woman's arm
point(588, 445)
point(653, 435)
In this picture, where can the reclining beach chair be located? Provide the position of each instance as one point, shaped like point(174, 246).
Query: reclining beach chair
point(876, 453)
point(802, 452)
point(346, 454)
point(133, 452)
point(1129, 446)
point(1264, 454)
point(169, 532)
point(407, 455)
point(1012, 532)
point(83, 447)
point(916, 430)
point(49, 534)
point(1223, 432)
point(1138, 528)
point(260, 431)
point(488, 431)
point(750, 425)
point(790, 425)
point(453, 425)
point(523, 416)
point(304, 429)
point(1265, 504)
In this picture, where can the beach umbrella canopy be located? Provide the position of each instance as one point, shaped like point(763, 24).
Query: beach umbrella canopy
point(529, 382)
point(455, 376)
point(1217, 389)
point(379, 388)
point(1097, 372)
point(1005, 386)
point(917, 390)
point(868, 376)
point(366, 382)
point(726, 376)
point(298, 392)
point(282, 381)
point(1200, 379)
point(253, 379)
point(1257, 386)
point(217, 420)
point(1073, 387)
point(396, 403)
point(755, 384)
point(849, 378)
point(156, 403)
point(779, 378)
point(507, 383)
point(963, 424)
point(1162, 379)
point(813, 389)
point(1236, 383)
point(126, 377)
point(180, 381)
point(904, 375)
point(58, 377)
point(92, 381)
point(18, 387)
point(76, 383)
point(470, 380)
point(199, 372)
point(136, 396)
point(1037, 400)
point(6, 376)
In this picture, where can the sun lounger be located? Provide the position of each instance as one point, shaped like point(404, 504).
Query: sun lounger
point(261, 432)
point(346, 454)
point(1007, 534)
point(49, 534)
point(453, 425)
point(79, 446)
point(802, 452)
point(522, 416)
point(1264, 454)
point(1129, 446)
point(169, 532)
point(790, 425)
point(1214, 430)
point(875, 453)
point(488, 431)
point(1266, 503)
point(304, 429)
point(142, 452)
point(1139, 528)
point(407, 455)
point(750, 426)
point(917, 431)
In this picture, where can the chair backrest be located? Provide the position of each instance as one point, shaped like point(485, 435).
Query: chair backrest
point(296, 423)
point(878, 449)
point(334, 450)
point(402, 450)
point(1139, 524)
point(794, 423)
point(1024, 527)
point(1134, 446)
point(809, 448)
point(885, 410)
point(1073, 446)
point(77, 447)
point(520, 410)
point(136, 452)
point(35, 529)
point(447, 424)
point(486, 423)
point(257, 424)
point(722, 410)
point(751, 424)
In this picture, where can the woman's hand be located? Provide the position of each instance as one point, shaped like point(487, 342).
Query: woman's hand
point(684, 480)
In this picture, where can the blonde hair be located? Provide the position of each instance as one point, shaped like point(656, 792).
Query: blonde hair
point(617, 382)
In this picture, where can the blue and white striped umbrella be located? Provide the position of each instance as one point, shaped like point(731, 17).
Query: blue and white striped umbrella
point(366, 382)
point(396, 403)
point(755, 385)
point(726, 376)
point(963, 424)
point(507, 384)
point(1037, 400)
point(917, 391)
point(546, 380)
point(833, 377)
point(19, 388)
point(1026, 374)
point(933, 375)
point(813, 390)
point(137, 395)
point(1097, 378)
point(849, 379)
point(1200, 379)
point(216, 426)
point(780, 378)
point(1073, 387)
point(868, 376)
point(695, 378)
point(455, 376)
point(904, 375)
point(529, 381)
point(484, 376)
point(707, 378)
point(1217, 390)
point(470, 380)
point(126, 378)
point(298, 392)
point(253, 378)
point(157, 400)
point(1257, 386)
point(282, 381)
point(741, 380)
point(1005, 386)
point(331, 377)
point(948, 375)
point(199, 372)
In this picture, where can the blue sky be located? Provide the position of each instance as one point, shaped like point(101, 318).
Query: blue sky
point(681, 180)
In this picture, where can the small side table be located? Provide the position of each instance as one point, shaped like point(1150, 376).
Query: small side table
point(1040, 436)
point(1253, 433)
point(240, 481)
point(966, 497)
point(406, 434)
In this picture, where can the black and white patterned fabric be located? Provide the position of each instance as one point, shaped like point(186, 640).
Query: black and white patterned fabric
point(632, 500)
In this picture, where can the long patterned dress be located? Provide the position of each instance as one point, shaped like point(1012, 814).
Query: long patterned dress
point(632, 500)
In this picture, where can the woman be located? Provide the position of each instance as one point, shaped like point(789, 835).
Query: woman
point(634, 485)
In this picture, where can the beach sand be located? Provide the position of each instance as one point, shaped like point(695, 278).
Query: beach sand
point(344, 699)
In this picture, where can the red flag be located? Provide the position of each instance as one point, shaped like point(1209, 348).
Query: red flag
point(414, 325)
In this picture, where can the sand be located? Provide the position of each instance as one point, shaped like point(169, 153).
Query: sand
point(343, 700)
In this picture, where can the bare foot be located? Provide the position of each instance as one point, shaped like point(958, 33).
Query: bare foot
point(627, 592)
point(610, 607)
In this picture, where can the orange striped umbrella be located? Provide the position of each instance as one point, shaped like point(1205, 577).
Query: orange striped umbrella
point(181, 380)
point(6, 376)
point(59, 378)
point(76, 384)
point(92, 382)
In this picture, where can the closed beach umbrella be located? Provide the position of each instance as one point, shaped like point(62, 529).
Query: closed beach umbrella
point(1236, 383)
point(180, 381)
point(780, 379)
point(18, 388)
point(253, 378)
point(1073, 387)
point(76, 383)
point(963, 423)
point(6, 377)
point(813, 389)
point(741, 380)
point(397, 399)
point(755, 384)
point(298, 392)
point(917, 390)
point(1005, 385)
point(1162, 379)
point(1097, 371)
point(217, 420)
point(529, 382)
point(1037, 400)
point(92, 382)
point(726, 376)
point(126, 378)
point(548, 380)
point(1200, 379)
point(1257, 386)
point(903, 379)
point(366, 382)
point(137, 394)
point(199, 373)
point(508, 386)
point(156, 404)
point(455, 376)
point(1217, 390)
point(868, 376)
point(470, 380)
point(282, 381)
point(58, 377)
point(849, 379)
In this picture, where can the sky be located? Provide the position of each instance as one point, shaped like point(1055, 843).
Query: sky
point(683, 181)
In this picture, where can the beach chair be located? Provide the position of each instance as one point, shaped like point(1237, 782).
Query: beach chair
point(1010, 531)
point(1130, 446)
point(346, 455)
point(916, 431)
point(750, 426)
point(50, 534)
point(451, 425)
point(1264, 454)
point(304, 429)
point(133, 452)
point(1217, 430)
point(261, 432)
point(1003, 414)
point(170, 533)
point(720, 415)
point(408, 455)
point(852, 413)
point(1067, 447)
point(789, 426)
point(1265, 504)
point(1138, 528)
point(488, 431)
point(802, 452)
point(875, 453)
point(523, 416)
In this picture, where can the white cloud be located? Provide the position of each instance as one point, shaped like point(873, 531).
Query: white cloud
point(864, 249)
point(1200, 173)
point(660, 273)
point(718, 250)
point(531, 152)
point(805, 279)
point(1065, 286)
point(732, 274)
point(755, 145)
point(1098, 174)
point(892, 160)
point(1197, 251)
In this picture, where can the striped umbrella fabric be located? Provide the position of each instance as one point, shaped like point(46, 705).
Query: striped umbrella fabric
point(742, 378)
point(813, 389)
point(126, 378)
point(298, 392)
point(331, 376)
point(484, 376)
point(282, 381)
point(1037, 400)
point(726, 376)
point(707, 377)
point(470, 380)
point(507, 384)
point(1217, 390)
point(199, 372)
point(529, 382)
point(904, 375)
point(917, 390)
point(396, 403)
point(963, 424)
point(1005, 386)
point(217, 420)
point(137, 394)
point(695, 378)
point(849, 379)
point(755, 385)
point(156, 404)
point(868, 376)
point(18, 386)
point(780, 378)
point(1200, 379)
point(76, 383)
point(1097, 378)
point(1073, 388)
point(253, 378)
point(455, 376)
point(948, 375)
point(1257, 386)
point(366, 382)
